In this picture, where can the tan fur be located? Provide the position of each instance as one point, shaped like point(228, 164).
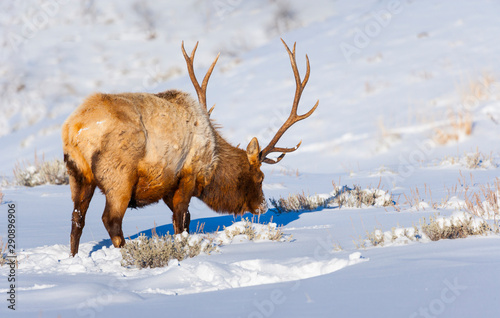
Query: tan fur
point(108, 129)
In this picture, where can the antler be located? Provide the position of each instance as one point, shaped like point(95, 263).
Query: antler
point(200, 90)
point(294, 117)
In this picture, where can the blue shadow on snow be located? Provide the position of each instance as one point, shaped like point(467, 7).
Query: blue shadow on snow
point(213, 224)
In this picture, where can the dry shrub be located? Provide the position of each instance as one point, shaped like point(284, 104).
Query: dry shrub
point(144, 252)
point(247, 228)
point(478, 160)
point(298, 202)
point(484, 203)
point(41, 172)
point(356, 197)
point(157, 251)
point(3, 252)
point(344, 196)
point(380, 238)
point(460, 125)
point(476, 90)
point(437, 228)
point(453, 228)
point(473, 160)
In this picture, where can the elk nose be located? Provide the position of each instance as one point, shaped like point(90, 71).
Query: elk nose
point(262, 207)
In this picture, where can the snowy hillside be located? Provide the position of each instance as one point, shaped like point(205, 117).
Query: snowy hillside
point(409, 108)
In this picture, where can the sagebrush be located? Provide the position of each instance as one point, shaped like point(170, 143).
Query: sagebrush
point(144, 252)
point(298, 202)
point(41, 172)
point(453, 228)
point(484, 203)
point(247, 228)
point(3, 252)
point(157, 251)
point(434, 229)
point(354, 197)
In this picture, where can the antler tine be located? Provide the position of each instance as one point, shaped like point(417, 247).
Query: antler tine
point(293, 117)
point(201, 91)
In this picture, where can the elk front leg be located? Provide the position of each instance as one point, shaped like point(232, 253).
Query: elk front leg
point(179, 204)
point(81, 192)
point(116, 206)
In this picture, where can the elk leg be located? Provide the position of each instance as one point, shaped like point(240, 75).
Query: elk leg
point(82, 193)
point(179, 204)
point(116, 206)
point(169, 201)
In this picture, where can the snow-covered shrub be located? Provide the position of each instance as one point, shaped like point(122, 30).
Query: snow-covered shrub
point(356, 197)
point(460, 225)
point(298, 202)
point(41, 172)
point(454, 227)
point(344, 196)
point(253, 231)
point(474, 160)
point(484, 203)
point(395, 235)
point(157, 251)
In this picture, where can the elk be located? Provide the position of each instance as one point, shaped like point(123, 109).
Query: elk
point(139, 148)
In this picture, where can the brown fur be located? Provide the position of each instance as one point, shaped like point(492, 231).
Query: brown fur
point(139, 148)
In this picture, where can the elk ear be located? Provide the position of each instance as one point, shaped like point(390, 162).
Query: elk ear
point(253, 151)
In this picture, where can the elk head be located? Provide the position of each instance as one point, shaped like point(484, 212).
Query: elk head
point(239, 175)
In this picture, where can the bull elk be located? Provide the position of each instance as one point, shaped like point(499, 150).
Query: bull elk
point(138, 148)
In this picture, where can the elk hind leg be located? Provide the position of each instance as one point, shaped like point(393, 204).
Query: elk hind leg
point(82, 192)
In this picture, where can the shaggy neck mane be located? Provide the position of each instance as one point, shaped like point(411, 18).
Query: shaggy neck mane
point(222, 194)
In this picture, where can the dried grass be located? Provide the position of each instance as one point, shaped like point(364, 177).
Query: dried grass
point(41, 172)
point(453, 228)
point(344, 196)
point(3, 252)
point(298, 202)
point(144, 252)
point(460, 125)
point(380, 238)
point(476, 90)
point(484, 203)
point(437, 228)
point(271, 233)
point(157, 251)
point(473, 160)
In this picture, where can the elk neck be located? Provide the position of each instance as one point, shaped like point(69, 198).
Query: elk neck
point(223, 193)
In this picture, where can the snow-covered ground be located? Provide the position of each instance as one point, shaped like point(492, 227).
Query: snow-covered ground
point(395, 79)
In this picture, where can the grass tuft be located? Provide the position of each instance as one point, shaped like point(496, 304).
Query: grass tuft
point(486, 202)
point(3, 252)
point(435, 229)
point(41, 172)
point(344, 196)
point(247, 228)
point(460, 125)
point(455, 227)
point(298, 202)
point(144, 252)
point(157, 251)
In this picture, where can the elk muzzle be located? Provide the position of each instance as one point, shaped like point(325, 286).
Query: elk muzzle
point(262, 208)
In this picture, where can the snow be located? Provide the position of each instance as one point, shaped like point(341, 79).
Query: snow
point(388, 75)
